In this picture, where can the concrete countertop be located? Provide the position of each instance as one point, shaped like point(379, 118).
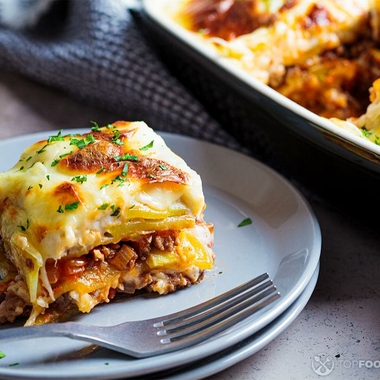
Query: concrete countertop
point(341, 320)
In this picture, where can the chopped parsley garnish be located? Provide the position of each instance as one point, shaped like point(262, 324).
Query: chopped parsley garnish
point(124, 172)
point(79, 178)
point(65, 154)
point(104, 186)
point(118, 179)
point(100, 170)
point(95, 126)
point(57, 160)
point(57, 137)
point(40, 185)
point(365, 132)
point(245, 222)
point(42, 149)
point(48, 177)
point(116, 210)
point(147, 146)
point(104, 206)
point(71, 206)
point(14, 364)
point(24, 228)
point(116, 138)
point(163, 167)
point(81, 143)
point(68, 207)
point(126, 157)
point(2, 355)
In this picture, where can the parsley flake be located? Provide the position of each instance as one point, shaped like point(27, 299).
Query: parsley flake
point(55, 162)
point(65, 154)
point(81, 143)
point(124, 172)
point(365, 132)
point(24, 228)
point(104, 206)
point(126, 157)
point(57, 137)
point(245, 222)
point(116, 138)
point(2, 355)
point(116, 210)
point(71, 206)
point(42, 149)
point(147, 146)
point(79, 178)
point(95, 126)
point(119, 179)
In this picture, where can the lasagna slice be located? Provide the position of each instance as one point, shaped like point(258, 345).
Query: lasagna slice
point(84, 217)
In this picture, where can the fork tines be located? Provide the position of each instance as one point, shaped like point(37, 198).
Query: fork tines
point(216, 315)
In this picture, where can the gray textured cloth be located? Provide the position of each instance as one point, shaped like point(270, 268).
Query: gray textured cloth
point(94, 50)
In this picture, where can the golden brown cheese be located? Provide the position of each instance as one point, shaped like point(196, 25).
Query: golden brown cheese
point(83, 217)
point(322, 54)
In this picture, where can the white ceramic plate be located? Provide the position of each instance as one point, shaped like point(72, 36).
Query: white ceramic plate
point(235, 354)
point(284, 240)
point(349, 144)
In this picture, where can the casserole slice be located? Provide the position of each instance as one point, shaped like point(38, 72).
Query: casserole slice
point(84, 217)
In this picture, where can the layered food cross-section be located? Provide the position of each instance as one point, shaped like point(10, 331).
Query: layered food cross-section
point(84, 217)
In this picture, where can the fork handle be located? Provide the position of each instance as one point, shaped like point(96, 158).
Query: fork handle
point(103, 336)
point(69, 329)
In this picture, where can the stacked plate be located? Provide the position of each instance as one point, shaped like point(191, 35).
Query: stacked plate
point(283, 240)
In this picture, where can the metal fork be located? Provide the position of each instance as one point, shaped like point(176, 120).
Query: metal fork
point(168, 333)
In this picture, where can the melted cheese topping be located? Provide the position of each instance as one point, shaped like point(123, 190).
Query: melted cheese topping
point(264, 37)
point(322, 54)
point(69, 194)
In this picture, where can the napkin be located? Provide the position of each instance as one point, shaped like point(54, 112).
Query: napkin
point(95, 51)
